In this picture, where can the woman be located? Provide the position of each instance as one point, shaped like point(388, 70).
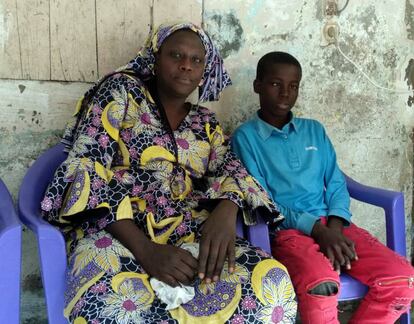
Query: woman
point(148, 171)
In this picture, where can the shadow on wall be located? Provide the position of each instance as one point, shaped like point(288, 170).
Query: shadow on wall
point(409, 77)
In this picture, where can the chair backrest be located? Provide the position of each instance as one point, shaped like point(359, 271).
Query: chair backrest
point(34, 184)
point(51, 245)
point(392, 202)
point(10, 259)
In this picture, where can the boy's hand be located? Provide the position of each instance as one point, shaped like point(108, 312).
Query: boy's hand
point(339, 249)
point(169, 263)
point(218, 241)
point(335, 223)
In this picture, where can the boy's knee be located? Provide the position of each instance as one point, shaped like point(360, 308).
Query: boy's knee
point(401, 304)
point(399, 290)
point(326, 288)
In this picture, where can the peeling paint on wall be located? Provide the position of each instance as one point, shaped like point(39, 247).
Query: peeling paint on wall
point(370, 21)
point(390, 58)
point(22, 87)
point(225, 30)
point(409, 19)
point(409, 77)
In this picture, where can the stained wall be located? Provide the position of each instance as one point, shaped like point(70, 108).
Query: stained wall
point(361, 90)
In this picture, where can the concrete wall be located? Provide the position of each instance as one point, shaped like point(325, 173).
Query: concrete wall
point(51, 49)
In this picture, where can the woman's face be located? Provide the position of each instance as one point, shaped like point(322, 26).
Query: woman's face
point(180, 64)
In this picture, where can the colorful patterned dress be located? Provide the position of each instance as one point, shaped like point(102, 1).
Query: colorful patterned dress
point(121, 161)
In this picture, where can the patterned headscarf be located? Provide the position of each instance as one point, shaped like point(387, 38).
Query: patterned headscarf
point(215, 78)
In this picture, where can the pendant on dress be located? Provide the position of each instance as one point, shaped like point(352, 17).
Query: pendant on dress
point(178, 185)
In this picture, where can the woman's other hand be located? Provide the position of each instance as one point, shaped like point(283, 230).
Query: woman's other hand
point(218, 241)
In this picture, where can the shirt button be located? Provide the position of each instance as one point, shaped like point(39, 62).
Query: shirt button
point(285, 136)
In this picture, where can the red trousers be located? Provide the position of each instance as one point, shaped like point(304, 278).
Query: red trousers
point(390, 277)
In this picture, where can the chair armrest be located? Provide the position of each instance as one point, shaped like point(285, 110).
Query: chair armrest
point(38, 176)
point(393, 204)
point(258, 235)
point(51, 244)
point(240, 226)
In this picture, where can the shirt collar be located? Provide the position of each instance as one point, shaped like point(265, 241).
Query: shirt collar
point(265, 130)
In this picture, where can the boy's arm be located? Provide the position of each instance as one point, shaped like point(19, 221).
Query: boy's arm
point(336, 194)
point(339, 249)
point(242, 147)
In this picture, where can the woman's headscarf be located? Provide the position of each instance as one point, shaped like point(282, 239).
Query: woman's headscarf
point(215, 78)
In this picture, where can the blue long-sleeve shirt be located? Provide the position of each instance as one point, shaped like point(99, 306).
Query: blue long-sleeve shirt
point(297, 166)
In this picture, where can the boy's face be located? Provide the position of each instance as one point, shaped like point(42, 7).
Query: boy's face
point(278, 90)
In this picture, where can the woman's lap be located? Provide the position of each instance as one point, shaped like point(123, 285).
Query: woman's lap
point(106, 285)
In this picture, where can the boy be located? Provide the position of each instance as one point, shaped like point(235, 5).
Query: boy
point(295, 162)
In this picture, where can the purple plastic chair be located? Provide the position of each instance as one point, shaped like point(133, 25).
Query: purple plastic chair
point(51, 245)
point(10, 259)
point(52, 251)
point(393, 204)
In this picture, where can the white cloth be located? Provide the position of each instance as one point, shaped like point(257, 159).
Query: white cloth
point(175, 296)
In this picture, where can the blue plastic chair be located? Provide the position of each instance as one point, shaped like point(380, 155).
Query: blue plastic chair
point(10, 259)
point(51, 244)
point(393, 204)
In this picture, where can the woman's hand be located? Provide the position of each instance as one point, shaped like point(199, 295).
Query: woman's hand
point(169, 263)
point(339, 249)
point(218, 241)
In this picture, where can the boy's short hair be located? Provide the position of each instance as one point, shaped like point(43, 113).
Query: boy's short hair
point(274, 58)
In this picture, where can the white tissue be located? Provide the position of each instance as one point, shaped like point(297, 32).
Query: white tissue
point(175, 296)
